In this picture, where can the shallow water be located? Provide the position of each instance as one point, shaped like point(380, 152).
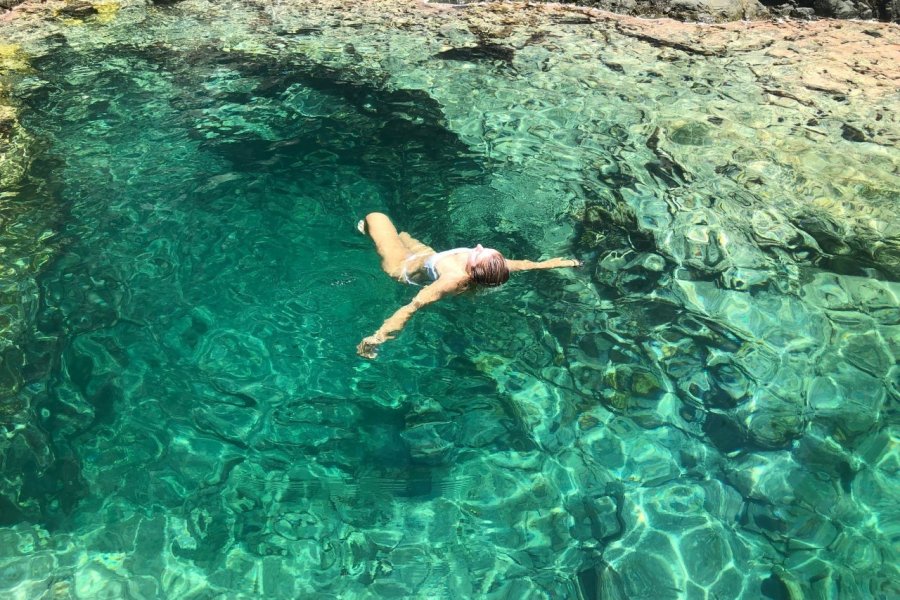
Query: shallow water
point(707, 409)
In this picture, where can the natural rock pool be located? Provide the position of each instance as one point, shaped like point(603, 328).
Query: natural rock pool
point(707, 409)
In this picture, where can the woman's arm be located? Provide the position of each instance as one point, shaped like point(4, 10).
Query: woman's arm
point(553, 263)
point(368, 347)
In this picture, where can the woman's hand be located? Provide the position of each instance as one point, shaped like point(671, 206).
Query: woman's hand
point(567, 262)
point(368, 348)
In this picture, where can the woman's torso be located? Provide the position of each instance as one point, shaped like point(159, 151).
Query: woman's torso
point(421, 269)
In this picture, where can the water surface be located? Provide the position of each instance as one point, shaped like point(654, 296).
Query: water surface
point(707, 409)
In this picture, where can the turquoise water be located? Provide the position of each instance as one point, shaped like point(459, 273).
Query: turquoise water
point(708, 409)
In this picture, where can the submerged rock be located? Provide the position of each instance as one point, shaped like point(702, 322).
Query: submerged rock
point(78, 10)
point(487, 52)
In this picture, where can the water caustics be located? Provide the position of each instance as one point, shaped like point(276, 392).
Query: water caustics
point(708, 409)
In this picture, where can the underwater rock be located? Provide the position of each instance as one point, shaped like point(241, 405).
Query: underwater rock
point(794, 524)
point(78, 10)
point(771, 421)
point(629, 389)
point(706, 553)
point(852, 134)
point(14, 144)
point(431, 443)
point(706, 11)
point(631, 272)
point(843, 9)
point(867, 352)
point(485, 51)
point(691, 134)
point(231, 357)
point(848, 401)
point(595, 519)
point(724, 432)
point(642, 575)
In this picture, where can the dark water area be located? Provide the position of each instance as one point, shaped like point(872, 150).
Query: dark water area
point(210, 239)
point(196, 423)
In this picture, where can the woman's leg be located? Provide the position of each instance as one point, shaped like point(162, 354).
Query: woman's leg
point(413, 245)
point(387, 242)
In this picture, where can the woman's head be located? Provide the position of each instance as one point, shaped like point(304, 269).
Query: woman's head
point(487, 267)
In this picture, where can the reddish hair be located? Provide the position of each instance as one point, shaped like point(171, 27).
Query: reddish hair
point(490, 271)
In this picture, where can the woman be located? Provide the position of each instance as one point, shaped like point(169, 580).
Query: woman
point(442, 273)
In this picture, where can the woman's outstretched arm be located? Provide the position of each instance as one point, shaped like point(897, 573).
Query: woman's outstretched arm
point(553, 263)
point(368, 347)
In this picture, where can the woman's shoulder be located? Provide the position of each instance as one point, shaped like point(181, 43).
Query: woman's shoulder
point(450, 252)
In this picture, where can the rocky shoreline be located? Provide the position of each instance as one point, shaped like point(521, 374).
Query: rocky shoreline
point(735, 10)
point(704, 11)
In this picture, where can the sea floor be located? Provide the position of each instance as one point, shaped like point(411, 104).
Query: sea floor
point(708, 408)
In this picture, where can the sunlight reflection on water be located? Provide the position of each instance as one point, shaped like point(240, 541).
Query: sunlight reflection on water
point(706, 407)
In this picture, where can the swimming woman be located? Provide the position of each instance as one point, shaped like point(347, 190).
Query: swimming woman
point(408, 260)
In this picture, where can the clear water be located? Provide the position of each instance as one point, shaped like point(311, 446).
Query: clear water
point(187, 418)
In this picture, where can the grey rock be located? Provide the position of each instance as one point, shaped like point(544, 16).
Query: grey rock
point(688, 10)
point(78, 10)
point(803, 12)
point(890, 11)
point(783, 10)
point(842, 9)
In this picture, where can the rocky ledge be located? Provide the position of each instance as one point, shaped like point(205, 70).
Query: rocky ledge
point(735, 10)
point(704, 11)
point(716, 11)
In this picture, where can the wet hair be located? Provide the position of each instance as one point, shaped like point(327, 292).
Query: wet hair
point(490, 271)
